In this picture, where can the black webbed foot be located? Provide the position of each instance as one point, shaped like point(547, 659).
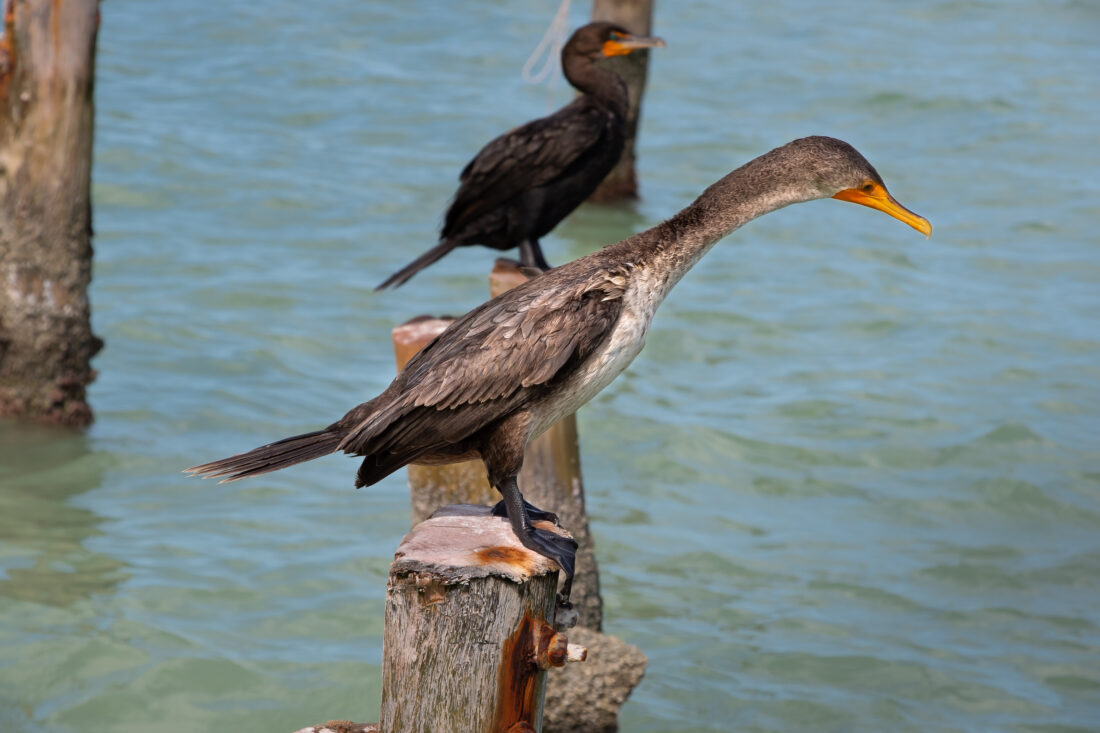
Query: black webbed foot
point(560, 549)
point(500, 509)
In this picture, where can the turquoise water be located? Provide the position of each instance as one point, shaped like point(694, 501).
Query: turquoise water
point(852, 483)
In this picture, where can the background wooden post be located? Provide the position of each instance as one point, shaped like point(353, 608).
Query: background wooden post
point(47, 69)
point(469, 628)
point(637, 17)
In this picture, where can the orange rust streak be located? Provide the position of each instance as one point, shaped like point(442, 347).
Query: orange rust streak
point(517, 693)
point(502, 554)
point(8, 54)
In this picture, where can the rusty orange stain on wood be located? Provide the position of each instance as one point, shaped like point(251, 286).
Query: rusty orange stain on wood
point(502, 554)
point(517, 691)
point(8, 54)
point(524, 562)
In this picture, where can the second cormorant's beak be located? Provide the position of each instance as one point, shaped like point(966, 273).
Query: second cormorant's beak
point(876, 196)
point(623, 43)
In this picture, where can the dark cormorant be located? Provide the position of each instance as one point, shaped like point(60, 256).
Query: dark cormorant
point(507, 370)
point(527, 180)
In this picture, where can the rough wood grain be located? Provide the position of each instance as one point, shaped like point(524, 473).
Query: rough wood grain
point(468, 611)
point(637, 17)
point(47, 70)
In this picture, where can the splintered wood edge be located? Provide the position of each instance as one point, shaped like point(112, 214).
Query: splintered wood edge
point(457, 549)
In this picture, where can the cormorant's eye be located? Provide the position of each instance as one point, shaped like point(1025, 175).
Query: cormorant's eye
point(868, 187)
point(615, 36)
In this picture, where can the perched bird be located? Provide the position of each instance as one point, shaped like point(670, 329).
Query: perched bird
point(527, 180)
point(507, 370)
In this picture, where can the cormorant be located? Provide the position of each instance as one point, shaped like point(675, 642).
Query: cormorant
point(507, 370)
point(527, 180)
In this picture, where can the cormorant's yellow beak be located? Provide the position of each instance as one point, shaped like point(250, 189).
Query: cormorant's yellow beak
point(877, 197)
point(624, 44)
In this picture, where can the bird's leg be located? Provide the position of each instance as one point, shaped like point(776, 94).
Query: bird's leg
point(533, 512)
point(560, 549)
point(530, 255)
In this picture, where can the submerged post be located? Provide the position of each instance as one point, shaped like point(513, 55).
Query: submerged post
point(469, 628)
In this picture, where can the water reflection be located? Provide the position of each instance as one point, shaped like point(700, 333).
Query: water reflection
point(43, 534)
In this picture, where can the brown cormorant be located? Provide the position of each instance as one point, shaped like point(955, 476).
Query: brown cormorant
point(527, 180)
point(507, 370)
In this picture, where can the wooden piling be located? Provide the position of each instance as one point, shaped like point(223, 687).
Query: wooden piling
point(47, 115)
point(469, 628)
point(637, 17)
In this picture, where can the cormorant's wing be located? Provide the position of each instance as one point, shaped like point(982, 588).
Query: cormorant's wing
point(486, 363)
point(524, 158)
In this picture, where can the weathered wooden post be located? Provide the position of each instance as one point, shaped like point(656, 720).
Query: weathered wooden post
point(551, 478)
point(637, 17)
point(47, 70)
point(469, 628)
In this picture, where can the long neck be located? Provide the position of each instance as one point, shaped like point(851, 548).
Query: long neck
point(604, 84)
point(666, 252)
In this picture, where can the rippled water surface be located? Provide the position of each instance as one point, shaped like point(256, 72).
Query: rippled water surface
point(852, 483)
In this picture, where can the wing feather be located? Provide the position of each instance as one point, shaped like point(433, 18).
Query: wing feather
point(474, 373)
point(525, 158)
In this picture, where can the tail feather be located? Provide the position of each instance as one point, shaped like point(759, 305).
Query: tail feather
point(433, 255)
point(271, 457)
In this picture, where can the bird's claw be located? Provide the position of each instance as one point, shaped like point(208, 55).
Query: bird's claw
point(559, 548)
point(534, 514)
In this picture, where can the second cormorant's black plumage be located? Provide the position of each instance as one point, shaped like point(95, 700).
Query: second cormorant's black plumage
point(527, 180)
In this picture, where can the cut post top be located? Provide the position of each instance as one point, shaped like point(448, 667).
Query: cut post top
point(465, 541)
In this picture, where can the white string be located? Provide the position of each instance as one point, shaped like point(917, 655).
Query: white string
point(551, 44)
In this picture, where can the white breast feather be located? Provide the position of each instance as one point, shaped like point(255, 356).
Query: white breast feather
point(625, 343)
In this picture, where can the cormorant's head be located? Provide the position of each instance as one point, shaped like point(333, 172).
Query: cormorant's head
point(601, 38)
point(841, 172)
